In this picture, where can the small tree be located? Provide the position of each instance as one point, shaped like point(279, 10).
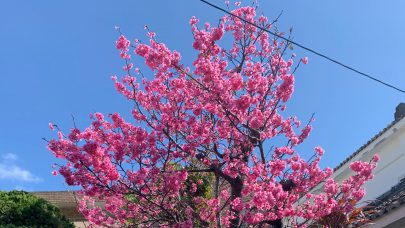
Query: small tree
point(216, 118)
point(22, 209)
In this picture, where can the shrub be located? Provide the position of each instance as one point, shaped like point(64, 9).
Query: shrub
point(22, 209)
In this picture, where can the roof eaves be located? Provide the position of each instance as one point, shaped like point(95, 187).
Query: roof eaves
point(368, 143)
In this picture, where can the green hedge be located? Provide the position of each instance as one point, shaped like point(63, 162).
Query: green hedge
point(22, 209)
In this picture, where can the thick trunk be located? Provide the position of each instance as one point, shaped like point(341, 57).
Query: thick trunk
point(236, 191)
point(216, 193)
point(276, 223)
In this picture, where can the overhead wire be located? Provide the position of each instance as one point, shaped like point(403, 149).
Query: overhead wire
point(306, 48)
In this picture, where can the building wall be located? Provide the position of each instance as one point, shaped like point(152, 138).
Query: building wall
point(390, 169)
point(390, 146)
point(81, 224)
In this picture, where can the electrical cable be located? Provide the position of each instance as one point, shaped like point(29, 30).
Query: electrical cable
point(306, 48)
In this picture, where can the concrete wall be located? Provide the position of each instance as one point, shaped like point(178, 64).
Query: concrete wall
point(390, 146)
point(81, 224)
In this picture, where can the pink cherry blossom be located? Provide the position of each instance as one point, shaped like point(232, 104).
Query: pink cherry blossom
point(319, 150)
point(208, 125)
point(376, 158)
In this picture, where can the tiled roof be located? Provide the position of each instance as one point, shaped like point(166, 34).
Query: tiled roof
point(66, 201)
point(368, 143)
point(60, 199)
point(384, 204)
point(388, 201)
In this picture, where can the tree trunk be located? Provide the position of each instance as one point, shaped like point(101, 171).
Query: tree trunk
point(236, 191)
point(216, 193)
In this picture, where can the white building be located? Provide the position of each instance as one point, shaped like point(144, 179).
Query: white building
point(385, 194)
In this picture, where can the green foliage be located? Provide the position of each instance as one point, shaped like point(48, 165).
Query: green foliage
point(204, 183)
point(19, 209)
point(204, 190)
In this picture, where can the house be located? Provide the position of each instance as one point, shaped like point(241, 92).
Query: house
point(385, 194)
point(67, 202)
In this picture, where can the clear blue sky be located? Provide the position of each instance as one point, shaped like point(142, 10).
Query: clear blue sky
point(57, 58)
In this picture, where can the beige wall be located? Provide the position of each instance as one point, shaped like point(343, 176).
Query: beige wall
point(81, 224)
point(390, 146)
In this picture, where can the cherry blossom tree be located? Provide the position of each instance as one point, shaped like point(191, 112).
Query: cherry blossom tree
point(196, 152)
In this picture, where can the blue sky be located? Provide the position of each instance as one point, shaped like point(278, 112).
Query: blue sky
point(57, 58)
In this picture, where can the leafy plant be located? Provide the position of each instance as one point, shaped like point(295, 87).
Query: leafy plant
point(22, 209)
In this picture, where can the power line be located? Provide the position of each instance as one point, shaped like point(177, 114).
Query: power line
point(306, 48)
